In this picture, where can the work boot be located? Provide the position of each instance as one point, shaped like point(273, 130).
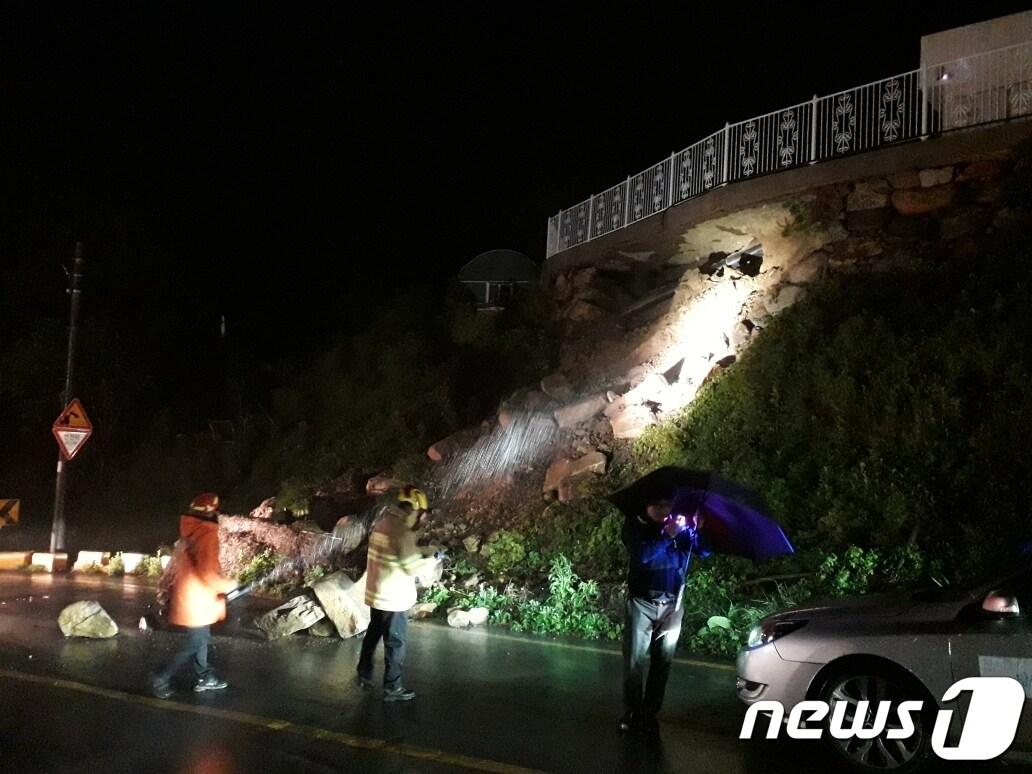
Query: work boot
point(627, 723)
point(160, 688)
point(398, 694)
point(363, 682)
point(209, 683)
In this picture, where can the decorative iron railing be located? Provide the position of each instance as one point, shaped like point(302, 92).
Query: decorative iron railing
point(978, 89)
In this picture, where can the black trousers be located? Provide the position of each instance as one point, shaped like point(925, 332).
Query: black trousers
point(651, 630)
point(194, 649)
point(392, 628)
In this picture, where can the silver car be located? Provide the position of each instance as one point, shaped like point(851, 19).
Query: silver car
point(895, 648)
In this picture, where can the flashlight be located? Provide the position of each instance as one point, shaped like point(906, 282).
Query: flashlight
point(239, 591)
point(677, 521)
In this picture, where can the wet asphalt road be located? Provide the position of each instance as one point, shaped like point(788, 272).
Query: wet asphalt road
point(486, 702)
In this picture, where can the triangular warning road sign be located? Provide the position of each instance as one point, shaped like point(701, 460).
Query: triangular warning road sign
point(71, 429)
point(74, 417)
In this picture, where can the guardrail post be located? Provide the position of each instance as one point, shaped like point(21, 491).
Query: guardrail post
point(670, 181)
point(727, 151)
point(591, 215)
point(813, 130)
point(627, 202)
point(924, 101)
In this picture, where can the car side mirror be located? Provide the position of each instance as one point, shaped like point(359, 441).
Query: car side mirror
point(1001, 604)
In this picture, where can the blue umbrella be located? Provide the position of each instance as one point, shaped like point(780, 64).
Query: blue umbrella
point(664, 483)
point(730, 526)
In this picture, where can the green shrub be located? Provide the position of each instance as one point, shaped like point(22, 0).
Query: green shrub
point(851, 573)
point(115, 565)
point(462, 568)
point(315, 573)
point(505, 553)
point(858, 571)
point(586, 531)
point(438, 594)
point(259, 567)
point(571, 607)
point(149, 566)
point(720, 608)
point(500, 604)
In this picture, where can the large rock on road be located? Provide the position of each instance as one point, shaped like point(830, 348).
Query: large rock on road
point(86, 619)
point(343, 600)
point(291, 617)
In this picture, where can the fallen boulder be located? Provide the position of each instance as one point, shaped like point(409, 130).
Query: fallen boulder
point(291, 617)
point(446, 447)
point(579, 412)
point(265, 510)
point(381, 484)
point(349, 532)
point(323, 628)
point(632, 421)
point(557, 387)
point(784, 297)
point(561, 470)
point(477, 616)
point(458, 619)
point(343, 601)
point(306, 525)
point(653, 388)
point(506, 416)
point(423, 610)
point(86, 619)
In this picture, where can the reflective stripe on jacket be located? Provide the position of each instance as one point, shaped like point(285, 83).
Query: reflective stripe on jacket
point(393, 562)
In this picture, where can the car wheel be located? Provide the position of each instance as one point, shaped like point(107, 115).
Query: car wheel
point(879, 753)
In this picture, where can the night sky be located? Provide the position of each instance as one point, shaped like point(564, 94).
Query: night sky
point(289, 165)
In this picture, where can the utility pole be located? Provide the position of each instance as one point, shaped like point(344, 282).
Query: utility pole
point(57, 531)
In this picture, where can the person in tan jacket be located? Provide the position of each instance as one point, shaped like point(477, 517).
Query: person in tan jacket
point(394, 562)
point(197, 599)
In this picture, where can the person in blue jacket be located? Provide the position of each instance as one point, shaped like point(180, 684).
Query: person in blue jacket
point(661, 544)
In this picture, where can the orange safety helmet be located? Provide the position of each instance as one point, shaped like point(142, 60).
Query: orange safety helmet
point(205, 503)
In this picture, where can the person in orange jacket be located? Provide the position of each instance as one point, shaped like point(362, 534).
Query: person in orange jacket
point(198, 591)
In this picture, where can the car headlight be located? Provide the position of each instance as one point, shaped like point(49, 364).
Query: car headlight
point(768, 631)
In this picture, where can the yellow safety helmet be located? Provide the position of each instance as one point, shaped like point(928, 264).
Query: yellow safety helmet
point(416, 498)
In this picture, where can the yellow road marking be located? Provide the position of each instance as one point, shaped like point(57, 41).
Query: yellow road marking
point(494, 635)
point(274, 724)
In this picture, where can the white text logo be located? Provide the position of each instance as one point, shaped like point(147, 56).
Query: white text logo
point(989, 726)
